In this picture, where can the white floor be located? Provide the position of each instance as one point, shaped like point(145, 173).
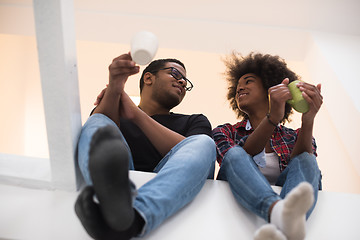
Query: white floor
point(214, 214)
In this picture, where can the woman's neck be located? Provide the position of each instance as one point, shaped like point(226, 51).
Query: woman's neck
point(256, 118)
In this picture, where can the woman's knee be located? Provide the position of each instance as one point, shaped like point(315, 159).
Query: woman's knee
point(237, 155)
point(235, 158)
point(307, 160)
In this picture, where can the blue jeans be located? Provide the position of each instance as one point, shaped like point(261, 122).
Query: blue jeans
point(180, 174)
point(252, 190)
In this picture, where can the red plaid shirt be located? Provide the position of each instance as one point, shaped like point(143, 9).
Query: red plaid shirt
point(282, 140)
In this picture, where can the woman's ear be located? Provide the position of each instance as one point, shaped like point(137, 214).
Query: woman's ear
point(148, 78)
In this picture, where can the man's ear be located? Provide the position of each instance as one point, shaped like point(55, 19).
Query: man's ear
point(148, 78)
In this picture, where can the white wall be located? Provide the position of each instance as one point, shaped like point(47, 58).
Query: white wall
point(22, 125)
point(342, 56)
point(333, 61)
point(342, 53)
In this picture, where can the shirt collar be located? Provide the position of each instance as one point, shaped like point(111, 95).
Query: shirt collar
point(243, 124)
point(247, 125)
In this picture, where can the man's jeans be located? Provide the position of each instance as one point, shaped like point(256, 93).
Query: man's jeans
point(180, 174)
point(252, 190)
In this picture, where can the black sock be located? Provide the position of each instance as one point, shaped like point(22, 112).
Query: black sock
point(138, 223)
point(109, 171)
point(90, 216)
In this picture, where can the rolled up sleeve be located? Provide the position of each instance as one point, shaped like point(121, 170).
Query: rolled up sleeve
point(225, 139)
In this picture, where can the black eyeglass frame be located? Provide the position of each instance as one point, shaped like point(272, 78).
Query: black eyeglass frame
point(177, 78)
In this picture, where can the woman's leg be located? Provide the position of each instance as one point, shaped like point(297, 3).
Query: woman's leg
point(249, 186)
point(302, 168)
point(300, 182)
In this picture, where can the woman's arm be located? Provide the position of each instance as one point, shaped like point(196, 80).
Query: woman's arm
point(257, 140)
point(312, 95)
point(278, 95)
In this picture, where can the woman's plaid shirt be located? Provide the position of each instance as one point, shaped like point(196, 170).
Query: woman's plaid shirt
point(282, 140)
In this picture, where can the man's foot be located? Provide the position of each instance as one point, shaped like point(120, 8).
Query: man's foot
point(91, 218)
point(109, 171)
point(269, 232)
point(289, 215)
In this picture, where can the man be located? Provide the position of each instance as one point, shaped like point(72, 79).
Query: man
point(120, 135)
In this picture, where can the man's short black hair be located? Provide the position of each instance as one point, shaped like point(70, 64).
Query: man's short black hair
point(155, 66)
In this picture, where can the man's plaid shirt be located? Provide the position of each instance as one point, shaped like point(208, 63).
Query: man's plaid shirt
point(282, 140)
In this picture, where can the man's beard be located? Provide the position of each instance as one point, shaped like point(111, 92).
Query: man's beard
point(166, 100)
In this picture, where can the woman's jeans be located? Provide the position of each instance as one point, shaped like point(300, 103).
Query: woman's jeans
point(252, 190)
point(180, 174)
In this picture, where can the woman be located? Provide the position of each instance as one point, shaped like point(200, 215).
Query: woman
point(259, 150)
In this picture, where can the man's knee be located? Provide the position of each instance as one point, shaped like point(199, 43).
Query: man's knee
point(203, 140)
point(206, 149)
point(203, 144)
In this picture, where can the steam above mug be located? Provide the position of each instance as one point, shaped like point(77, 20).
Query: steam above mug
point(144, 46)
point(297, 102)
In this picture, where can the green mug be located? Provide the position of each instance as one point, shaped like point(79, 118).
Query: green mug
point(297, 102)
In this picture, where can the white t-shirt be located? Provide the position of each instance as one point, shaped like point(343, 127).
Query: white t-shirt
point(268, 163)
point(272, 169)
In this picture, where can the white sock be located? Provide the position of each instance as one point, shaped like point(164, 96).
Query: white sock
point(269, 232)
point(289, 214)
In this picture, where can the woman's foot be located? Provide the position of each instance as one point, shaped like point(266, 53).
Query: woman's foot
point(269, 232)
point(289, 214)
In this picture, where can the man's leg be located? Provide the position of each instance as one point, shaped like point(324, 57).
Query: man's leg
point(248, 185)
point(94, 122)
point(104, 159)
point(93, 221)
point(109, 172)
point(180, 176)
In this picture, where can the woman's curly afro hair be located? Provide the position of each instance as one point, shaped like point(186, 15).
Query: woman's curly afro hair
point(270, 69)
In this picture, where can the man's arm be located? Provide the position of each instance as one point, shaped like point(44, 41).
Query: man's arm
point(116, 104)
point(119, 70)
point(160, 136)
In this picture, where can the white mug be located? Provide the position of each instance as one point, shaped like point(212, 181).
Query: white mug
point(144, 45)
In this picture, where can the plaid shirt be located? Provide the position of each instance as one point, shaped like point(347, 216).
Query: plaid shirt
point(282, 140)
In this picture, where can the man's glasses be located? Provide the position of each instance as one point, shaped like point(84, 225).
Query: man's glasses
point(178, 76)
